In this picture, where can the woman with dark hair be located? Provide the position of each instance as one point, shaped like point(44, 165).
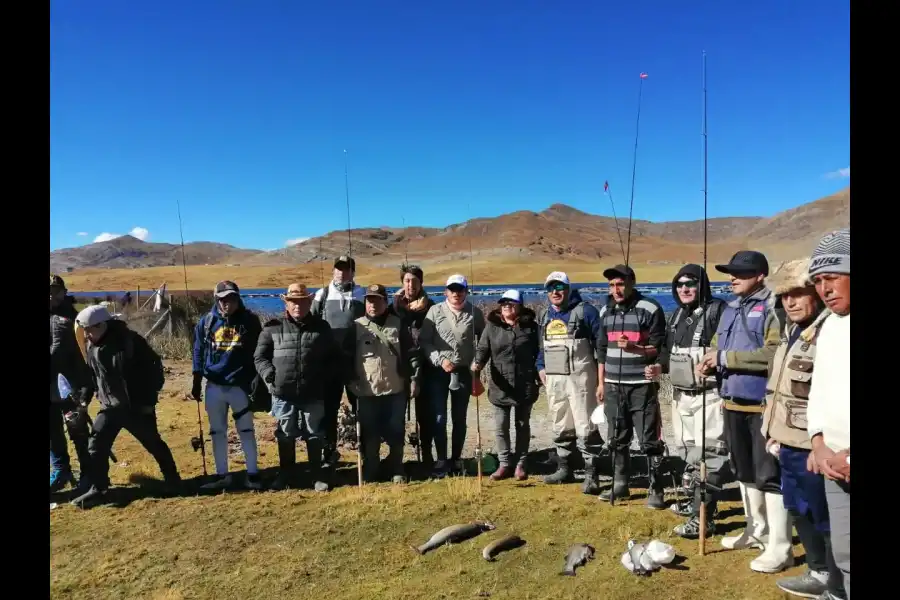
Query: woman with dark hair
point(411, 304)
point(510, 342)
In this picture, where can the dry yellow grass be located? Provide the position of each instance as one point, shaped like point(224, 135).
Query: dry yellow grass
point(355, 544)
point(484, 272)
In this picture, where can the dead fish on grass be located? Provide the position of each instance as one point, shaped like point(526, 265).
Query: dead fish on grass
point(496, 547)
point(454, 534)
point(577, 556)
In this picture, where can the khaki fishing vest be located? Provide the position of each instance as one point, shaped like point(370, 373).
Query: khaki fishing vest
point(377, 363)
point(564, 355)
point(787, 391)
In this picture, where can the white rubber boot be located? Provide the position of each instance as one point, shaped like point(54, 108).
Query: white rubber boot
point(779, 553)
point(756, 531)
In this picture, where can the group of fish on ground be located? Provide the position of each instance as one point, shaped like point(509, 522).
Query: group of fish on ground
point(641, 559)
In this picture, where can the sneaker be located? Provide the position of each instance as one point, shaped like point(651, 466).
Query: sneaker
point(221, 482)
point(252, 481)
point(458, 467)
point(521, 474)
point(682, 508)
point(321, 486)
point(60, 478)
point(690, 529)
point(439, 470)
point(89, 497)
point(502, 472)
point(811, 584)
point(399, 479)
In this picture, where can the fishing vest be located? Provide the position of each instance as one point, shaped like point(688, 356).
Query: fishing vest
point(377, 365)
point(742, 328)
point(564, 354)
point(683, 360)
point(787, 391)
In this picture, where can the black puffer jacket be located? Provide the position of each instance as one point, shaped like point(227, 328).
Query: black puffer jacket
point(512, 352)
point(298, 358)
point(65, 355)
point(127, 372)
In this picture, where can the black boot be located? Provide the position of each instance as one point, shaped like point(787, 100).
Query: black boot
point(287, 462)
point(591, 485)
point(562, 475)
point(321, 477)
point(620, 477)
point(655, 494)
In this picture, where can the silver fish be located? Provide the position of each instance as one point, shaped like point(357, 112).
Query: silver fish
point(577, 556)
point(636, 551)
point(497, 546)
point(454, 534)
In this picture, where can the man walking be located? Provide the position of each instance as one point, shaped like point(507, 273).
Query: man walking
point(632, 332)
point(569, 339)
point(296, 357)
point(690, 330)
point(339, 304)
point(224, 342)
point(385, 368)
point(829, 397)
point(127, 378)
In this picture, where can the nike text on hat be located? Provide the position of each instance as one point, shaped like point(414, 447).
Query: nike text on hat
point(93, 315)
point(623, 271)
point(832, 254)
point(376, 289)
point(511, 296)
point(745, 261)
point(226, 288)
point(344, 261)
point(458, 280)
point(296, 291)
point(557, 276)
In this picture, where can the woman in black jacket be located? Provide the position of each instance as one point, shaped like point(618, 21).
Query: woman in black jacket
point(510, 341)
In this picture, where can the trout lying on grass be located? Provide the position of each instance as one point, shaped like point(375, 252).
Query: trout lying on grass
point(454, 534)
point(577, 556)
point(497, 546)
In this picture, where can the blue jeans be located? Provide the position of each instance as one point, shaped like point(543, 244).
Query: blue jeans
point(437, 385)
point(294, 421)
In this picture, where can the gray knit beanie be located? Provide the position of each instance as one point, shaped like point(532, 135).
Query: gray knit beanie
point(832, 255)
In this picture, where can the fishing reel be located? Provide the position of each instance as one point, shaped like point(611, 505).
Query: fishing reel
point(413, 439)
point(196, 443)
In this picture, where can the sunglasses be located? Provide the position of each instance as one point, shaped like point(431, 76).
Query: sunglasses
point(456, 289)
point(508, 303)
point(689, 284)
point(556, 287)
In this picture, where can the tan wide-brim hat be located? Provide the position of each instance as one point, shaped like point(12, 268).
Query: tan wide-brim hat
point(296, 292)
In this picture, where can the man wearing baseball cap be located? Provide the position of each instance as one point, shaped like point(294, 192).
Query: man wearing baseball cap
point(746, 340)
point(447, 339)
point(568, 331)
point(224, 342)
point(828, 412)
point(340, 303)
point(385, 365)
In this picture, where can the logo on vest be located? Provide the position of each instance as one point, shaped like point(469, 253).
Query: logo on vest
point(557, 328)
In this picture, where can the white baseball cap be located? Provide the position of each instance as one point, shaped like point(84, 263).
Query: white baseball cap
point(512, 296)
point(458, 280)
point(93, 315)
point(557, 276)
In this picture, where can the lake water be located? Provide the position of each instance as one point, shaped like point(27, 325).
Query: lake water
point(267, 300)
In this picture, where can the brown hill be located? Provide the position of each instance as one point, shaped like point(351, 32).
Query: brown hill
point(128, 252)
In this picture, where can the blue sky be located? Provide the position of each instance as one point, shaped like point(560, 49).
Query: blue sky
point(448, 110)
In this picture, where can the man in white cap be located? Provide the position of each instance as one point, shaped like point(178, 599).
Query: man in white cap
point(567, 365)
point(828, 412)
point(447, 339)
point(127, 377)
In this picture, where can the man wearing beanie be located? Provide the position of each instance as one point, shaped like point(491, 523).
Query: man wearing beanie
point(828, 413)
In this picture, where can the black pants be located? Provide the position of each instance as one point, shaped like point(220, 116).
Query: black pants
point(818, 552)
point(751, 463)
point(139, 422)
point(59, 449)
point(334, 392)
point(638, 408)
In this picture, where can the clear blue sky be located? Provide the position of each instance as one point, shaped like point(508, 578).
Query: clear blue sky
point(241, 111)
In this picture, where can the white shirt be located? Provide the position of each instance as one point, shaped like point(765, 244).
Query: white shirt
point(829, 397)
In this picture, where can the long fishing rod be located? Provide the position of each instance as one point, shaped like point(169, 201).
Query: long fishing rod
point(703, 490)
point(183, 259)
point(614, 441)
point(359, 473)
point(347, 194)
point(615, 218)
point(475, 350)
point(417, 442)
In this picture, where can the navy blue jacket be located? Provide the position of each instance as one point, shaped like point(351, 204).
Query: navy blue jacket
point(225, 356)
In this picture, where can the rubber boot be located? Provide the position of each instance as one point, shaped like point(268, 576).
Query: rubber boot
point(779, 552)
point(321, 477)
point(656, 492)
point(562, 474)
point(395, 462)
point(591, 484)
point(620, 477)
point(756, 531)
point(690, 529)
point(287, 462)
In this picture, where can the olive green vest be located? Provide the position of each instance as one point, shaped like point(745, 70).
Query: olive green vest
point(377, 366)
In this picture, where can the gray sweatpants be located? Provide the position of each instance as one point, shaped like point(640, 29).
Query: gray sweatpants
point(502, 416)
point(838, 495)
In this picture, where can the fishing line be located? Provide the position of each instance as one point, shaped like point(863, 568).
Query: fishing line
point(703, 490)
point(615, 218)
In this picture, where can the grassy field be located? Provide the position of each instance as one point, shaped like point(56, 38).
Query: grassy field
point(484, 272)
point(355, 544)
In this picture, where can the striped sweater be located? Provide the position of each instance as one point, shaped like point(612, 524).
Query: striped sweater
point(640, 319)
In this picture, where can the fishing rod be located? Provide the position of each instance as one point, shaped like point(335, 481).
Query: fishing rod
point(614, 441)
point(347, 194)
point(359, 472)
point(702, 484)
point(478, 453)
point(183, 259)
point(615, 218)
point(417, 440)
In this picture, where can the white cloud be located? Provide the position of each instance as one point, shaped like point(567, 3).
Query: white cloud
point(141, 233)
point(295, 241)
point(839, 174)
point(82, 233)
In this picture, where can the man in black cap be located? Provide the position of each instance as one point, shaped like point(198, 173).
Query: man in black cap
point(339, 304)
point(632, 333)
point(746, 339)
